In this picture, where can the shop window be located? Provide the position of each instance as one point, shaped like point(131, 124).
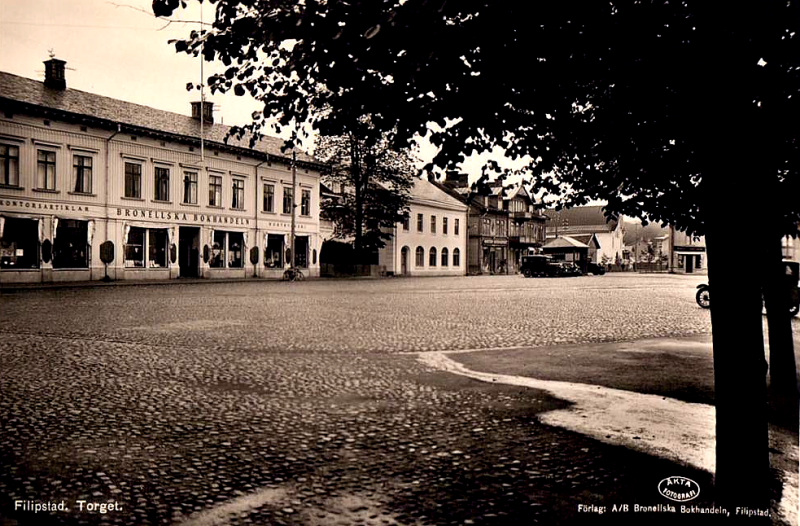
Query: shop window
point(432, 258)
point(82, 172)
point(190, 188)
point(269, 197)
point(420, 257)
point(273, 257)
point(305, 203)
point(218, 251)
point(161, 184)
point(445, 257)
point(227, 250)
point(235, 249)
point(133, 180)
point(46, 169)
point(71, 247)
point(19, 245)
point(157, 248)
point(9, 165)
point(134, 248)
point(456, 256)
point(146, 248)
point(215, 190)
point(237, 200)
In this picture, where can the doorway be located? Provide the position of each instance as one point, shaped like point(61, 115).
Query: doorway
point(404, 261)
point(189, 251)
point(689, 264)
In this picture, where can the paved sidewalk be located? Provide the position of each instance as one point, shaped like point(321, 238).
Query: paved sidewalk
point(605, 383)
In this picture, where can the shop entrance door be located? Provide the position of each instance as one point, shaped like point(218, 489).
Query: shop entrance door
point(689, 264)
point(189, 251)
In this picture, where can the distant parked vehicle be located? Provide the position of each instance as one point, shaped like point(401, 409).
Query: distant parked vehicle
point(595, 268)
point(539, 266)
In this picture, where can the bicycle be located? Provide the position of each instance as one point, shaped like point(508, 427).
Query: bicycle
point(293, 274)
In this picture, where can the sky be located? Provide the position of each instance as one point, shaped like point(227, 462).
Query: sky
point(119, 49)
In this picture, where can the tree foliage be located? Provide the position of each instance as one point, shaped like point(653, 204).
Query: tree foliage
point(622, 101)
point(375, 182)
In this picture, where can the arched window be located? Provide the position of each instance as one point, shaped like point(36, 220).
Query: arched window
point(456, 257)
point(420, 260)
point(432, 258)
point(445, 255)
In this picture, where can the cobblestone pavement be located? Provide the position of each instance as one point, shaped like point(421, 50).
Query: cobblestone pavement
point(298, 403)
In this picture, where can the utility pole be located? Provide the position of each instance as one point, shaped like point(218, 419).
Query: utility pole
point(294, 183)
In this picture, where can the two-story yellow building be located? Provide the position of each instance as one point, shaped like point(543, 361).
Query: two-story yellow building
point(173, 194)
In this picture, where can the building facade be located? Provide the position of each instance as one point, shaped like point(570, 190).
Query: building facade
point(687, 254)
point(503, 224)
point(93, 187)
point(433, 240)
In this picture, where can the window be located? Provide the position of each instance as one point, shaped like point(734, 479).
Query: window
point(19, 246)
point(273, 257)
point(444, 225)
point(445, 257)
point(420, 223)
point(455, 230)
point(406, 223)
point(432, 258)
point(157, 247)
point(71, 247)
point(269, 197)
point(420, 257)
point(433, 224)
point(190, 188)
point(46, 169)
point(9, 165)
point(146, 248)
point(287, 200)
point(305, 203)
point(237, 201)
point(133, 180)
point(82, 171)
point(456, 256)
point(227, 250)
point(215, 190)
point(161, 184)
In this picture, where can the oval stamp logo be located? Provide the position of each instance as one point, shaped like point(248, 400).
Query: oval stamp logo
point(679, 489)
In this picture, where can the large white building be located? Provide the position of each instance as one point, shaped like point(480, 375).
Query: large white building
point(433, 241)
point(78, 170)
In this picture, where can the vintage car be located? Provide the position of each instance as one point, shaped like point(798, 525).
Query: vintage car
point(538, 266)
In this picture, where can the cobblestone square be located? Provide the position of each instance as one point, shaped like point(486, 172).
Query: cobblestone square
point(305, 403)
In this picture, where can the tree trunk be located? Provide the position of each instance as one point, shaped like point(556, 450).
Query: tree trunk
point(742, 474)
point(783, 390)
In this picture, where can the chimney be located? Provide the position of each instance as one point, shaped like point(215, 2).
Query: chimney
point(54, 74)
point(456, 179)
point(208, 111)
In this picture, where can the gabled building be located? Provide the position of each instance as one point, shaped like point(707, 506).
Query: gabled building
point(581, 221)
point(166, 195)
point(526, 226)
point(433, 240)
point(502, 225)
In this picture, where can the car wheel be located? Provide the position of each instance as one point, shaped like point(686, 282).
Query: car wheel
point(527, 273)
